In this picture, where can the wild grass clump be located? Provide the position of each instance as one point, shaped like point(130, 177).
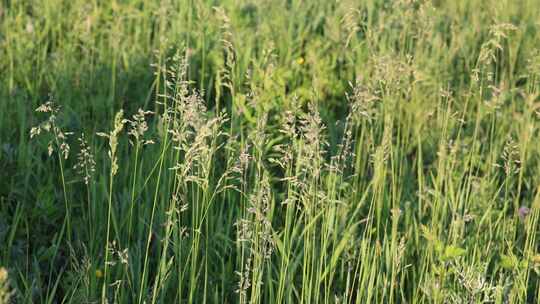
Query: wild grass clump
point(264, 152)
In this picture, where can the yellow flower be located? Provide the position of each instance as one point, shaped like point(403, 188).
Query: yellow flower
point(99, 273)
point(300, 60)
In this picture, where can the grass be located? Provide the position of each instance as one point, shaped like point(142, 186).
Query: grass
point(269, 151)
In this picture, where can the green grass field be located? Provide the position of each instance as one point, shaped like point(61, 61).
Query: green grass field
point(269, 151)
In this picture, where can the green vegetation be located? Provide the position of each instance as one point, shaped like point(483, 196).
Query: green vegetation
point(272, 151)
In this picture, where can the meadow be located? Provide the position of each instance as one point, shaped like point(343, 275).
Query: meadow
point(269, 151)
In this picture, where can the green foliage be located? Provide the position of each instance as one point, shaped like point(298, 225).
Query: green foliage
point(287, 151)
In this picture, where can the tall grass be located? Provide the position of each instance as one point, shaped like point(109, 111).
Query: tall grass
point(269, 151)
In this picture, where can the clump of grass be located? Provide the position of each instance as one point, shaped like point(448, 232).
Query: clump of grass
point(310, 152)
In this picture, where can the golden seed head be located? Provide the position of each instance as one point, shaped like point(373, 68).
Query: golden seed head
point(3, 274)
